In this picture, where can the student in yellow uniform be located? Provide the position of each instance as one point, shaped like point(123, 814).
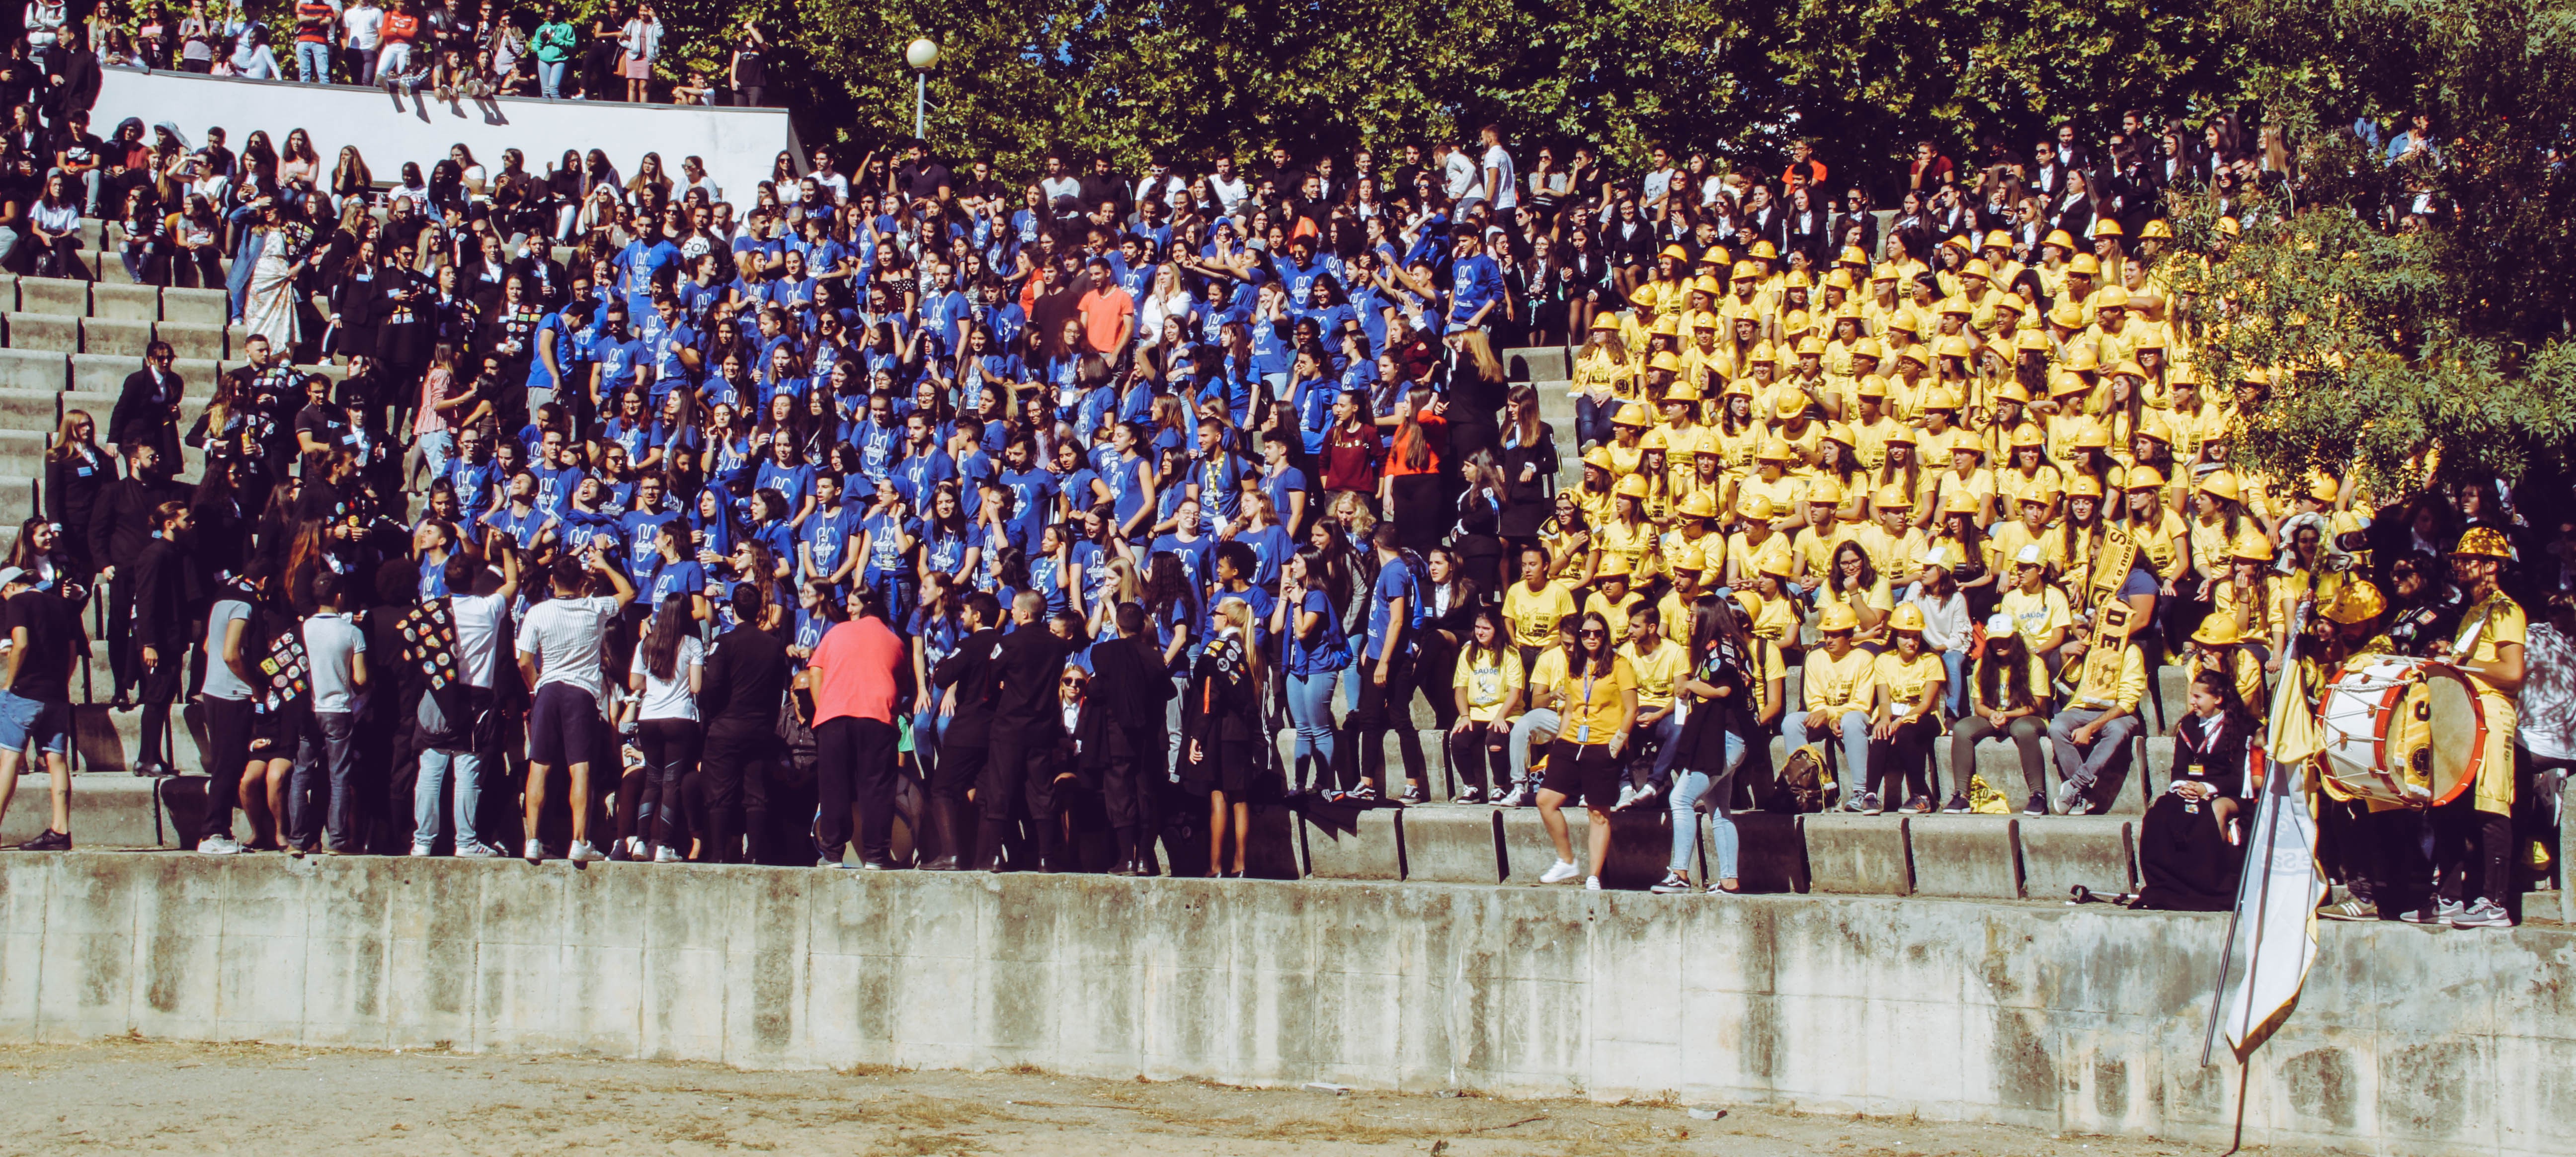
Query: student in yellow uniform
point(1628, 536)
point(1967, 476)
point(2037, 608)
point(2217, 647)
point(1782, 494)
point(2091, 736)
point(2026, 468)
point(2032, 529)
point(1840, 685)
point(1597, 698)
point(1757, 538)
point(1870, 422)
point(1660, 665)
point(1598, 488)
point(1905, 715)
point(1694, 528)
point(1814, 543)
point(1534, 605)
point(1611, 597)
point(1488, 686)
point(1890, 536)
point(1688, 567)
point(2473, 834)
point(2250, 599)
point(2157, 530)
point(1627, 438)
point(1903, 470)
point(1850, 581)
point(2008, 699)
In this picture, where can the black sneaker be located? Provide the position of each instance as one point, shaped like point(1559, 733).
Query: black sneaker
point(2038, 805)
point(1958, 805)
point(50, 841)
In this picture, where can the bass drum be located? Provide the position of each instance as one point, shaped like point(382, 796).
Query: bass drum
point(2401, 731)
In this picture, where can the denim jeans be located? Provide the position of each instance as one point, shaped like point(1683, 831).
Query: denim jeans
point(1524, 729)
point(1688, 786)
point(313, 61)
point(2084, 768)
point(1310, 708)
point(1955, 661)
point(138, 263)
point(1854, 725)
point(1172, 724)
point(326, 764)
point(1663, 734)
point(437, 448)
point(435, 768)
point(550, 78)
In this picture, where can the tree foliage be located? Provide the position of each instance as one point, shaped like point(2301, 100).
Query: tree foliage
point(2432, 353)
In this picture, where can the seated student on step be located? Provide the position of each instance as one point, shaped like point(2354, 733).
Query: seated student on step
point(2092, 734)
point(2192, 847)
point(2008, 700)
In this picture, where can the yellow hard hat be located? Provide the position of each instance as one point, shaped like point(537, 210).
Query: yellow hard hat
point(1775, 449)
point(1841, 432)
point(1959, 502)
point(2156, 230)
point(1908, 618)
point(2091, 436)
point(1957, 305)
point(1977, 268)
point(1675, 252)
point(2251, 547)
point(1900, 433)
point(2358, 602)
point(1954, 346)
point(2028, 435)
point(2217, 631)
point(1698, 504)
point(1943, 398)
point(1605, 323)
point(1762, 352)
point(2059, 238)
point(1997, 239)
point(1612, 566)
point(2484, 542)
point(2082, 358)
point(1705, 283)
point(1632, 414)
point(1811, 347)
point(1681, 391)
point(1872, 386)
point(1837, 619)
point(2084, 486)
point(2222, 485)
point(1632, 486)
point(1689, 559)
point(1668, 325)
point(1869, 347)
point(1756, 507)
point(2228, 227)
point(1791, 404)
point(2129, 368)
point(1765, 250)
point(1884, 271)
point(2143, 478)
point(2155, 428)
point(1826, 491)
point(2111, 297)
point(1668, 361)
point(2042, 491)
point(1599, 456)
point(2084, 263)
point(1747, 271)
point(1892, 498)
point(1852, 255)
point(2106, 227)
point(1752, 603)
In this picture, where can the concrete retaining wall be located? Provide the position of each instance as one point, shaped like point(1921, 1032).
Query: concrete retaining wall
point(2084, 1020)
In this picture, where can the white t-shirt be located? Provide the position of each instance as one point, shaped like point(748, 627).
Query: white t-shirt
point(670, 700)
point(1505, 187)
point(1059, 187)
point(363, 25)
point(332, 643)
point(1230, 192)
point(1462, 174)
point(221, 683)
point(564, 635)
point(478, 635)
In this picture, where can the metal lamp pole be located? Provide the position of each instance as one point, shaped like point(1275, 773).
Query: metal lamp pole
point(921, 54)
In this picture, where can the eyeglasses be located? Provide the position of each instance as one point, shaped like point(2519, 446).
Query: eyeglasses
point(1590, 634)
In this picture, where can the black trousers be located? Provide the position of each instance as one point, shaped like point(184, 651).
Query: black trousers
point(958, 768)
point(670, 748)
point(1381, 709)
point(737, 764)
point(1017, 770)
point(228, 726)
point(160, 685)
point(124, 654)
point(1908, 753)
point(854, 762)
point(1479, 747)
point(1129, 787)
point(2472, 852)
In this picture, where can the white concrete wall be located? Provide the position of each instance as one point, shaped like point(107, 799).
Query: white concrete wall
point(2083, 1020)
point(738, 144)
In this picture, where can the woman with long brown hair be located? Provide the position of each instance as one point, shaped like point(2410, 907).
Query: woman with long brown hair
point(1596, 702)
point(1410, 488)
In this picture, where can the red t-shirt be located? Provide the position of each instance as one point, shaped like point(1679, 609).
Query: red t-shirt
point(854, 668)
point(399, 28)
point(1349, 460)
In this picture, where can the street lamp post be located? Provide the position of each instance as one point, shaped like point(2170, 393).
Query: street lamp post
point(921, 54)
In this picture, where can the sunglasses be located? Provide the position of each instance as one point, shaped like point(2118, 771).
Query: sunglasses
point(1590, 634)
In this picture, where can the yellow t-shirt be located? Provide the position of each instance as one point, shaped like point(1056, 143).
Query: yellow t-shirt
point(1533, 615)
point(1769, 667)
point(1488, 682)
point(1547, 672)
point(1634, 543)
point(2036, 614)
point(1616, 616)
point(1657, 673)
point(1840, 685)
point(2505, 624)
point(1906, 682)
point(1590, 706)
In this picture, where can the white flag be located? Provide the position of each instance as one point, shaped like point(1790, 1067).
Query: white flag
point(2277, 910)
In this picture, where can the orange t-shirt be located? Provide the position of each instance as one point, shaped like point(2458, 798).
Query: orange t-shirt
point(854, 672)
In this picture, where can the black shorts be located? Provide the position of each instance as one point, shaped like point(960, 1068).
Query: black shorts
point(1583, 773)
point(560, 725)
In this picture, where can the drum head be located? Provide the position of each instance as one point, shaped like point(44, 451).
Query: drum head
point(2459, 732)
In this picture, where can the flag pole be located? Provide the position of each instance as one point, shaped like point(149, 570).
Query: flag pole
point(2271, 822)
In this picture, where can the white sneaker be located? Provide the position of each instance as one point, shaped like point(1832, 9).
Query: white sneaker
point(583, 853)
point(537, 851)
point(1627, 795)
point(477, 850)
point(666, 855)
point(420, 851)
point(1562, 871)
point(219, 846)
point(1592, 883)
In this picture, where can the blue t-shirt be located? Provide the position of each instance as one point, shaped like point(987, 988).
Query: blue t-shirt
point(826, 535)
point(1394, 581)
point(885, 544)
point(792, 482)
point(675, 578)
point(1327, 650)
point(1194, 555)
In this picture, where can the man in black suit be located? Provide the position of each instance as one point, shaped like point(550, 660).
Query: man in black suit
point(965, 747)
point(1129, 688)
point(147, 409)
point(121, 524)
point(1027, 724)
point(160, 580)
point(71, 76)
point(744, 681)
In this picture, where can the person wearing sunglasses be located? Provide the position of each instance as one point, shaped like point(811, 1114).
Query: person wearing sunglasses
point(1597, 697)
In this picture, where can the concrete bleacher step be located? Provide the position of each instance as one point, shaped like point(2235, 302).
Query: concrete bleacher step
point(108, 810)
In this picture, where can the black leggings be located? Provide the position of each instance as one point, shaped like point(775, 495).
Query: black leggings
point(1908, 752)
point(649, 804)
point(2023, 730)
point(1481, 755)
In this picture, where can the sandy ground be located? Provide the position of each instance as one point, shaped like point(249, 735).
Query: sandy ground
point(129, 1097)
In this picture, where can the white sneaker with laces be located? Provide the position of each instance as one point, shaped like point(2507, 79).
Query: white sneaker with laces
point(219, 846)
point(1627, 795)
point(477, 850)
point(1559, 873)
point(420, 851)
point(537, 851)
point(666, 855)
point(583, 853)
point(1592, 883)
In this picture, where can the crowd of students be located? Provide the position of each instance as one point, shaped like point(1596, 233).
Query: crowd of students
point(1032, 511)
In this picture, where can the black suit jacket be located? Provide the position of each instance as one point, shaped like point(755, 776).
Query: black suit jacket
point(142, 412)
point(121, 523)
point(160, 595)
